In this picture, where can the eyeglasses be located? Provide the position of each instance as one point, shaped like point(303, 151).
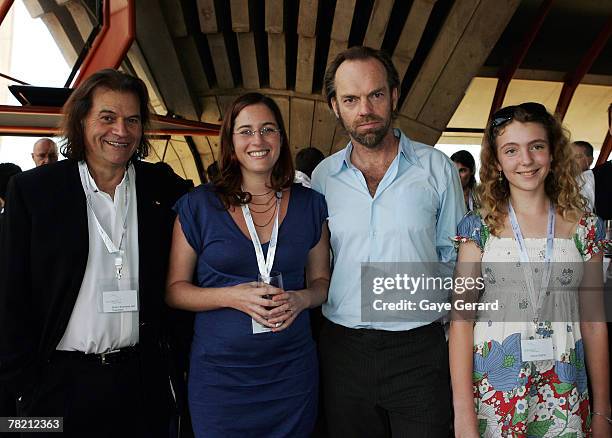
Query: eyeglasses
point(264, 132)
point(506, 114)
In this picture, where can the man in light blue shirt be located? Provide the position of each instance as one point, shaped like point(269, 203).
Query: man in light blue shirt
point(390, 199)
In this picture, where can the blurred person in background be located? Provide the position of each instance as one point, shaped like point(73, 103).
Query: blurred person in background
point(305, 162)
point(583, 154)
point(44, 152)
point(466, 166)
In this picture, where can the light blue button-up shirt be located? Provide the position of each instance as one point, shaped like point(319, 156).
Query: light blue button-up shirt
point(411, 218)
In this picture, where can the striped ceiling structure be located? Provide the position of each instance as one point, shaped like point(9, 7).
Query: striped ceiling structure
point(457, 60)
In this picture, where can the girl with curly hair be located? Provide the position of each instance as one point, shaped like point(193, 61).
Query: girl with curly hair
point(518, 365)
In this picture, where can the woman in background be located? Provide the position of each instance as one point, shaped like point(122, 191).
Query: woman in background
point(521, 371)
point(253, 369)
point(466, 166)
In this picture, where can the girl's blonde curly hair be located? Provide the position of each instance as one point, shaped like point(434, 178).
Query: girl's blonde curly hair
point(561, 184)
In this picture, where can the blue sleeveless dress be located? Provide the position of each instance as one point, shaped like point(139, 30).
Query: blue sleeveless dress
point(240, 383)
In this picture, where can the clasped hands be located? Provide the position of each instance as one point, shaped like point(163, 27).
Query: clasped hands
point(268, 305)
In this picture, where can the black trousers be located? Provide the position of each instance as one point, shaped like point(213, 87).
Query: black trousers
point(95, 399)
point(385, 384)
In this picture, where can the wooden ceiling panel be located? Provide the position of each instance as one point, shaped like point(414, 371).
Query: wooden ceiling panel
point(84, 22)
point(284, 104)
point(377, 26)
point(159, 51)
point(276, 60)
point(240, 15)
point(210, 114)
point(218, 53)
point(224, 101)
point(248, 60)
point(343, 18)
point(301, 115)
point(305, 64)
point(323, 127)
point(173, 13)
point(341, 28)
point(307, 18)
point(452, 31)
point(468, 56)
point(142, 70)
point(187, 52)
point(274, 16)
point(411, 34)
point(207, 16)
point(340, 141)
point(418, 131)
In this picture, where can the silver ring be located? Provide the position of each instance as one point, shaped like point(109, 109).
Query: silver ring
point(278, 324)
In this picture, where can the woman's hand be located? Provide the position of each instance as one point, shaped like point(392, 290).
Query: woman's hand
point(257, 302)
point(289, 306)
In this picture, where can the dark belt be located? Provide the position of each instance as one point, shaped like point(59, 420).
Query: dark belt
point(107, 358)
point(381, 333)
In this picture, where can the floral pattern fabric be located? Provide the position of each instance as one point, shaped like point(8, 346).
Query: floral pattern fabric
point(514, 397)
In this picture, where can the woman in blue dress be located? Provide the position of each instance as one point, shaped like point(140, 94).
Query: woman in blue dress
point(253, 365)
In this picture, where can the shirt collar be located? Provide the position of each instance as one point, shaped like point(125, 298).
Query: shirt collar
point(405, 150)
point(92, 183)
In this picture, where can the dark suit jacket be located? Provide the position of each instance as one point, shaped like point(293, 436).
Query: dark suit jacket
point(603, 190)
point(43, 255)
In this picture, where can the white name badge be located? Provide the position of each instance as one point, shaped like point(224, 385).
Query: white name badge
point(114, 301)
point(537, 349)
point(258, 328)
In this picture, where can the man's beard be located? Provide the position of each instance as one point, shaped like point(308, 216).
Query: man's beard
point(372, 137)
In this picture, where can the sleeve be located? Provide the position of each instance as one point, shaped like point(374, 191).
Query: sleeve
point(471, 229)
point(452, 209)
point(20, 331)
point(318, 175)
point(188, 212)
point(319, 207)
point(590, 236)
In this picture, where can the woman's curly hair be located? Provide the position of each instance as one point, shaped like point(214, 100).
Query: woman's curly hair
point(561, 184)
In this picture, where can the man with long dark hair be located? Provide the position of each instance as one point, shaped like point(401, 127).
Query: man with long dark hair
point(83, 264)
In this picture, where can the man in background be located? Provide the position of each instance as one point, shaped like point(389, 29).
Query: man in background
point(44, 152)
point(7, 170)
point(305, 162)
point(583, 154)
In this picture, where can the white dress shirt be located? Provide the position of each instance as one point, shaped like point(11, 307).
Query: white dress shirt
point(586, 180)
point(89, 329)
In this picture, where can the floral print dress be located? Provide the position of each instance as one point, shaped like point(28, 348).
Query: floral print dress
point(516, 398)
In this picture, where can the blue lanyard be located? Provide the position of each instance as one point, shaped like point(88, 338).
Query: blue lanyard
point(536, 297)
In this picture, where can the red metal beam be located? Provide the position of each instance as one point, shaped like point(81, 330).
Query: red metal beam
point(22, 120)
point(506, 73)
point(606, 148)
point(572, 80)
point(113, 41)
point(5, 6)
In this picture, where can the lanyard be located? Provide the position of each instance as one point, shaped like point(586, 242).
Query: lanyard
point(112, 249)
point(264, 264)
point(536, 297)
